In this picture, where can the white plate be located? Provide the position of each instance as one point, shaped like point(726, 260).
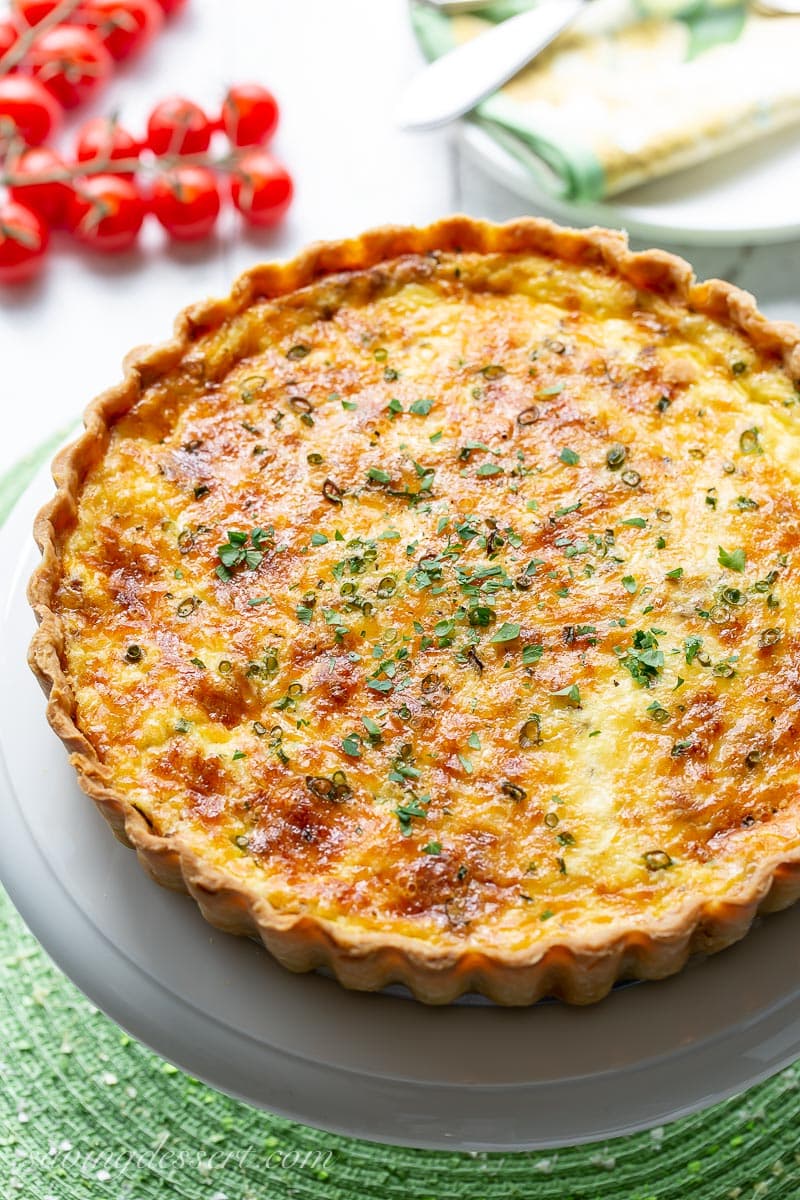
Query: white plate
point(746, 196)
point(375, 1066)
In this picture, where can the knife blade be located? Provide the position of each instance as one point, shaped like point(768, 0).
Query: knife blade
point(453, 84)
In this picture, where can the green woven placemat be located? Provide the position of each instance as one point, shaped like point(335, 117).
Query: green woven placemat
point(86, 1111)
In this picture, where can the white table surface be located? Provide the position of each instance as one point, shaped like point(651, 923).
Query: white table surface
point(337, 67)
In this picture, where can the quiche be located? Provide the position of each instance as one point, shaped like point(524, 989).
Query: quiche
point(427, 609)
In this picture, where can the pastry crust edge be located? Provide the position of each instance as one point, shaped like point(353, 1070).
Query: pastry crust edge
point(579, 972)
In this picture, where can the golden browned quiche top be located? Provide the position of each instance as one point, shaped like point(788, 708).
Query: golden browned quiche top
point(442, 609)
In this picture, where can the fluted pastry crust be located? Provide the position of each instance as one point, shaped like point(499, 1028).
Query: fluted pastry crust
point(573, 761)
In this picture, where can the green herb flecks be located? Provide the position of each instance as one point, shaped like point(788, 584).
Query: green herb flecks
point(372, 728)
point(734, 560)
point(658, 713)
point(352, 745)
point(235, 552)
point(508, 632)
point(643, 658)
point(414, 810)
point(691, 648)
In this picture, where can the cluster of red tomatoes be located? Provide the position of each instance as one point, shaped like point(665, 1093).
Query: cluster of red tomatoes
point(103, 192)
point(55, 54)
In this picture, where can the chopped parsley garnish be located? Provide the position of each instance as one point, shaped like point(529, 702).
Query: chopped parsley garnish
point(643, 658)
point(352, 745)
point(569, 457)
point(414, 810)
point(236, 553)
point(372, 727)
point(734, 560)
point(691, 648)
point(507, 632)
point(466, 450)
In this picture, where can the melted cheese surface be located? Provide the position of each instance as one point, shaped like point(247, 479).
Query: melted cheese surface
point(456, 599)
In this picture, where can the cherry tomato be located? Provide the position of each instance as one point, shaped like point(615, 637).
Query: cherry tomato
point(71, 62)
point(124, 26)
point(48, 200)
point(106, 213)
point(261, 188)
point(249, 114)
point(27, 109)
point(186, 200)
point(23, 242)
point(8, 38)
point(171, 7)
point(178, 126)
point(103, 138)
point(31, 12)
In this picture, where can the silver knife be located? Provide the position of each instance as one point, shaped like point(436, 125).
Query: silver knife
point(460, 79)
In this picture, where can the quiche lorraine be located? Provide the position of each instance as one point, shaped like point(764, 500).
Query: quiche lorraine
point(427, 609)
